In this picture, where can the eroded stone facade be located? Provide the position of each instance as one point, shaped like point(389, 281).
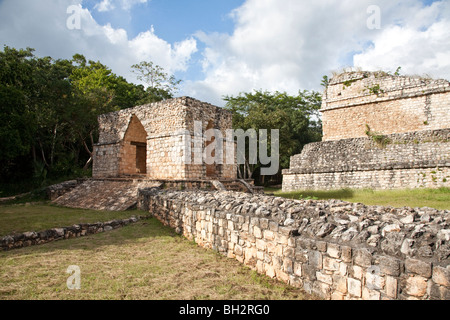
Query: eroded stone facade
point(154, 140)
point(388, 104)
point(379, 131)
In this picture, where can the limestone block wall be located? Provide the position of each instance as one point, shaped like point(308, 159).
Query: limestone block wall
point(106, 159)
point(30, 238)
point(408, 160)
point(335, 249)
point(388, 104)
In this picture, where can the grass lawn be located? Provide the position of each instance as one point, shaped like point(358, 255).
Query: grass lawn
point(433, 198)
point(41, 216)
point(145, 260)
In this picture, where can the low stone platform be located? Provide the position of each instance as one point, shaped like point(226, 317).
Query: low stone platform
point(119, 194)
point(111, 195)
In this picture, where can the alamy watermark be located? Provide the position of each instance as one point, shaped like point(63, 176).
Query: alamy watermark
point(212, 147)
point(374, 20)
point(73, 22)
point(74, 280)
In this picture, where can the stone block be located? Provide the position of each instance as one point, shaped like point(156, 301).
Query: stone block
point(325, 278)
point(334, 250)
point(354, 287)
point(391, 287)
point(269, 235)
point(363, 257)
point(298, 269)
point(288, 265)
point(374, 281)
point(418, 267)
point(238, 250)
point(322, 289)
point(260, 244)
point(340, 283)
point(368, 294)
point(336, 295)
point(321, 246)
point(390, 266)
point(346, 254)
point(357, 272)
point(438, 292)
point(257, 232)
point(416, 286)
point(315, 259)
point(330, 264)
point(441, 276)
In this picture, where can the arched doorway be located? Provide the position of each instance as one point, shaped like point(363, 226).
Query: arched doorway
point(134, 149)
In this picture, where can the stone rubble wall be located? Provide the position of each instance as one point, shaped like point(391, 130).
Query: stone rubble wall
point(407, 160)
point(335, 249)
point(56, 190)
point(372, 179)
point(387, 103)
point(26, 239)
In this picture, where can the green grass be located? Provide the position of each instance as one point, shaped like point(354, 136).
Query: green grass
point(433, 198)
point(145, 260)
point(40, 216)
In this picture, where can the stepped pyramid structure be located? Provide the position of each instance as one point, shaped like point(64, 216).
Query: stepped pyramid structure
point(380, 131)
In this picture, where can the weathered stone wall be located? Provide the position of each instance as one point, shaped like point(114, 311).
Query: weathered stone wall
point(169, 127)
point(408, 160)
point(30, 238)
point(56, 190)
point(388, 104)
point(335, 249)
point(106, 160)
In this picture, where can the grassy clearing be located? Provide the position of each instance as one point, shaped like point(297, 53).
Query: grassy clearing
point(41, 216)
point(141, 261)
point(433, 198)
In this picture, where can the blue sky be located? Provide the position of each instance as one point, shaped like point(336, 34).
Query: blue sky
point(224, 47)
point(174, 20)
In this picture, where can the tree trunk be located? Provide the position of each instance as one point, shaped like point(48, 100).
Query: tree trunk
point(88, 163)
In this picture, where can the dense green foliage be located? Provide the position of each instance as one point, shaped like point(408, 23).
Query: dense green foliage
point(49, 110)
point(48, 113)
point(296, 118)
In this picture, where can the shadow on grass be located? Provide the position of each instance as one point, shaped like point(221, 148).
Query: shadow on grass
point(123, 236)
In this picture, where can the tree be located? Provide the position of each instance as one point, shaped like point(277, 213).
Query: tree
point(296, 117)
point(161, 85)
point(16, 117)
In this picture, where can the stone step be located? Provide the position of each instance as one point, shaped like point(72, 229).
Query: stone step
point(110, 195)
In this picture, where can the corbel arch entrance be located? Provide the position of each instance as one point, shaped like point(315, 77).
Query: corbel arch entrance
point(133, 155)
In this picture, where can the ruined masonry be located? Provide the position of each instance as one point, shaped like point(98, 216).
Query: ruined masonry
point(151, 141)
point(152, 145)
point(335, 249)
point(380, 131)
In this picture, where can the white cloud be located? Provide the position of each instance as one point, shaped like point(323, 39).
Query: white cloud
point(108, 5)
point(420, 46)
point(128, 4)
point(283, 45)
point(289, 45)
point(103, 6)
point(42, 25)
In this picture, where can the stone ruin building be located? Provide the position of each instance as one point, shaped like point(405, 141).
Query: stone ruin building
point(380, 131)
point(153, 145)
point(150, 141)
point(331, 248)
